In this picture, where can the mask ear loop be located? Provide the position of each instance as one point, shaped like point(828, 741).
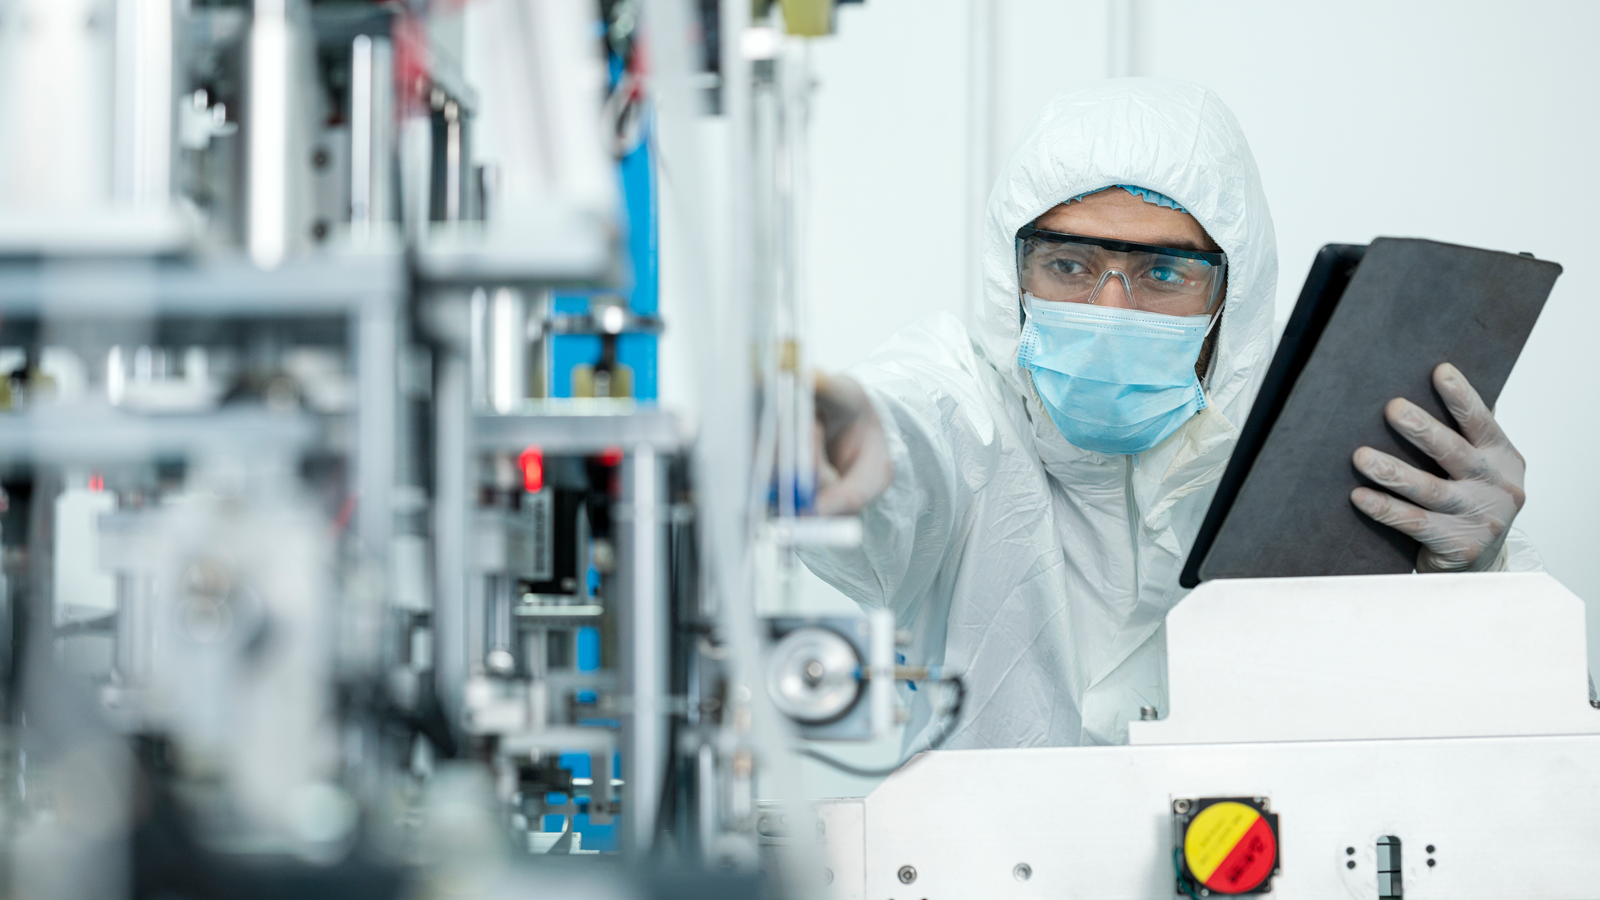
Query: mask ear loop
point(1218, 297)
point(1211, 364)
point(1022, 306)
point(1221, 302)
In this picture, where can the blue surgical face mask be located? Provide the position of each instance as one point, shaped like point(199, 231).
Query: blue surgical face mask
point(1113, 380)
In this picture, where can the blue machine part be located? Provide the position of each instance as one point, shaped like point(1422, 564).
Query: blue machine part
point(901, 659)
point(588, 649)
point(595, 837)
point(588, 642)
point(637, 351)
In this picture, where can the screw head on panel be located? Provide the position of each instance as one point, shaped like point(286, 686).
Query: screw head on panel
point(906, 874)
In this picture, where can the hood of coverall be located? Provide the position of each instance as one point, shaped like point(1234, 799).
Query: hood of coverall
point(1170, 136)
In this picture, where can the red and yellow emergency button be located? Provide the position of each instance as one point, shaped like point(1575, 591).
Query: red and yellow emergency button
point(1230, 847)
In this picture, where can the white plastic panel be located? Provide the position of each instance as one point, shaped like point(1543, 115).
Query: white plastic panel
point(1508, 817)
point(843, 834)
point(1383, 656)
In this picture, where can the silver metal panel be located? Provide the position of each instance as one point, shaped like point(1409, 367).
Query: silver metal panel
point(562, 246)
point(518, 544)
point(321, 285)
point(66, 435)
point(1508, 817)
point(578, 427)
point(1383, 656)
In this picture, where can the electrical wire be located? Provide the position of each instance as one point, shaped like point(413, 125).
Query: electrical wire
point(951, 715)
point(1177, 868)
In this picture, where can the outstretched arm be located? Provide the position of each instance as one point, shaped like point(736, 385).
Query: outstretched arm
point(854, 467)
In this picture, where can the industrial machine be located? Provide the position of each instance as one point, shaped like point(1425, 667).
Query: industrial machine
point(347, 548)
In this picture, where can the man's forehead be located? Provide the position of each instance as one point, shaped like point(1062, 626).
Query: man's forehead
point(1118, 215)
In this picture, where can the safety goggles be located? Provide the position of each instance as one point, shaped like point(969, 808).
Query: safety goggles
point(1069, 268)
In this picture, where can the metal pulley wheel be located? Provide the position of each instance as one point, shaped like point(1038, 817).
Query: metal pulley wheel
point(814, 675)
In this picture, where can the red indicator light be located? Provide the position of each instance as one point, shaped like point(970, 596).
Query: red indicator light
point(531, 462)
point(97, 482)
point(611, 456)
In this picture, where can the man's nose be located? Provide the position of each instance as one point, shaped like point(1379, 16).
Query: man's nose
point(1114, 291)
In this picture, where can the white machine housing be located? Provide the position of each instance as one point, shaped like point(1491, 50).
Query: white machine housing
point(1449, 711)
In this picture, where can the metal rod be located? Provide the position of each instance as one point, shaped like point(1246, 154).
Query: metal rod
point(361, 136)
point(452, 161)
point(133, 638)
point(144, 104)
point(376, 419)
point(269, 134)
point(452, 436)
point(371, 134)
point(508, 350)
point(644, 630)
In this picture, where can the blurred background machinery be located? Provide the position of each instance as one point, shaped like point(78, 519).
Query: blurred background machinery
point(346, 549)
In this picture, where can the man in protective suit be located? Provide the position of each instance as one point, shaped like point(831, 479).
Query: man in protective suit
point(1030, 491)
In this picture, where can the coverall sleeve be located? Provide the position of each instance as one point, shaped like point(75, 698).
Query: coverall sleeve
point(926, 385)
point(1520, 554)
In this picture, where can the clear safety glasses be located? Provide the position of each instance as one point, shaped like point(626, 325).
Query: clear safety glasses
point(1068, 268)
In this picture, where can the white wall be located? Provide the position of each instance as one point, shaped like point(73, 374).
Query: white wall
point(888, 172)
point(1465, 122)
point(1470, 122)
point(891, 163)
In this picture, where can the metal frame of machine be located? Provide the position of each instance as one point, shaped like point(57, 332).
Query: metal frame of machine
point(311, 576)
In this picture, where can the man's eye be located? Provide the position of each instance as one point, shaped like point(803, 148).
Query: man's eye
point(1066, 267)
point(1168, 275)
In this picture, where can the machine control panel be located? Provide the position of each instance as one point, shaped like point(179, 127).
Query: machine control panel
point(1226, 845)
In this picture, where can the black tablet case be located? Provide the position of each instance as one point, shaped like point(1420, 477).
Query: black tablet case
point(1324, 285)
point(1410, 305)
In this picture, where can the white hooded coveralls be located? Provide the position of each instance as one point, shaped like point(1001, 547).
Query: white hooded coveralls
point(1042, 571)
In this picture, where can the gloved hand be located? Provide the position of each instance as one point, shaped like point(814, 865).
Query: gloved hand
point(1461, 521)
point(853, 463)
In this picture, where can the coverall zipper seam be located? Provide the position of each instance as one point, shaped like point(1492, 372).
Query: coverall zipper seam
point(1133, 524)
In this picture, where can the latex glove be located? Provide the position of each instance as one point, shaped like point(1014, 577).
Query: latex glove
point(853, 464)
point(1461, 521)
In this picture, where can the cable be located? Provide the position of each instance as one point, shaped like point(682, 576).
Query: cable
point(952, 714)
point(1177, 868)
